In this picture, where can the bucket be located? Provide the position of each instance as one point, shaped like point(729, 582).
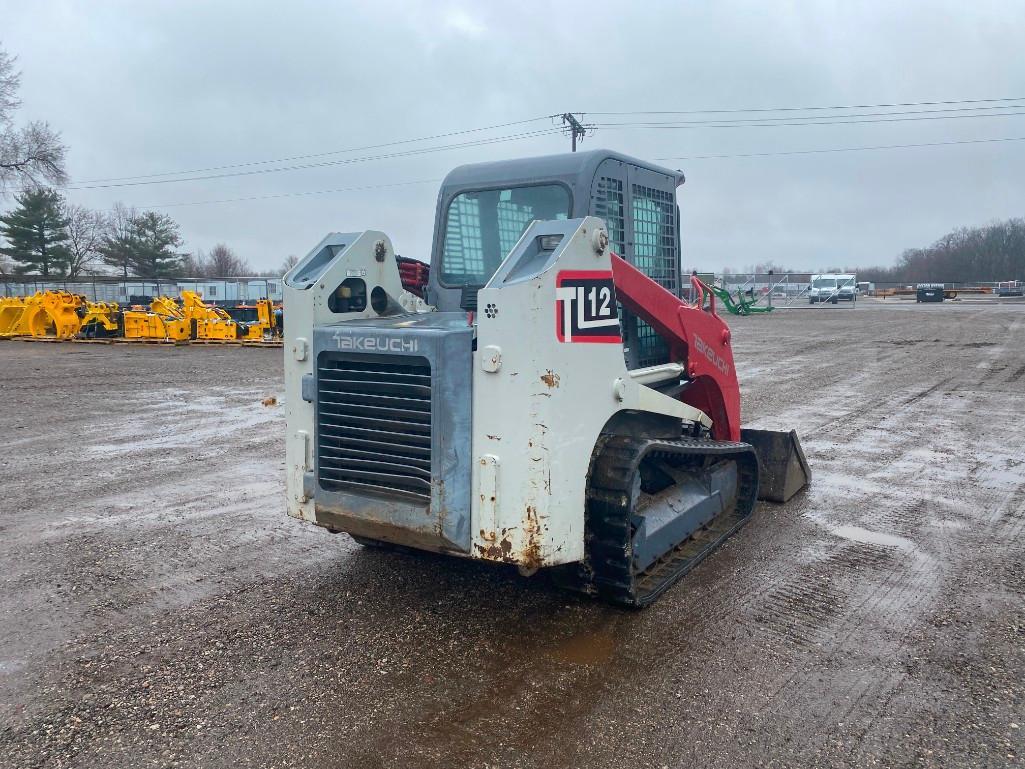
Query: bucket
point(783, 468)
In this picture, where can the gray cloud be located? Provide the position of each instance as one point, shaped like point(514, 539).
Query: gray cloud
point(149, 87)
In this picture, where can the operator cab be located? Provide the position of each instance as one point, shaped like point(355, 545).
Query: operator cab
point(484, 208)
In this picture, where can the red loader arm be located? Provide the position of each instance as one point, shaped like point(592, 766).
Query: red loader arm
point(697, 338)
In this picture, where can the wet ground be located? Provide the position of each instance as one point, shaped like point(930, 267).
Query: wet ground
point(157, 608)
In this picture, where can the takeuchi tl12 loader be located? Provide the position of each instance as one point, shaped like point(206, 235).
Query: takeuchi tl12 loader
point(540, 396)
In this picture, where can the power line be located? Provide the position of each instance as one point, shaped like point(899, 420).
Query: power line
point(811, 109)
point(327, 163)
point(763, 124)
point(318, 154)
point(546, 132)
point(290, 194)
point(742, 123)
point(979, 112)
point(845, 149)
point(575, 127)
point(688, 157)
point(98, 183)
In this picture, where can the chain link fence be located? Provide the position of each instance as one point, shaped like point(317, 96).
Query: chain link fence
point(221, 291)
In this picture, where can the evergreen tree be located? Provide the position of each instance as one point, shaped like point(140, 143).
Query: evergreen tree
point(36, 234)
point(118, 241)
point(155, 236)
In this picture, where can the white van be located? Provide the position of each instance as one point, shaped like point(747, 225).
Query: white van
point(833, 288)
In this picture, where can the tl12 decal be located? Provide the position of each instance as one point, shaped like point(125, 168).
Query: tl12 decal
point(585, 307)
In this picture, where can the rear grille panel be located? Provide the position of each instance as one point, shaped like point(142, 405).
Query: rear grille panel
point(374, 425)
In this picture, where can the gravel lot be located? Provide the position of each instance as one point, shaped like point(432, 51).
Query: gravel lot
point(157, 607)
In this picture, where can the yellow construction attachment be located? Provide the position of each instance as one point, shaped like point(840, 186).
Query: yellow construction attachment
point(64, 315)
point(59, 317)
point(51, 313)
point(99, 319)
point(166, 305)
point(263, 328)
point(11, 310)
point(211, 322)
point(164, 320)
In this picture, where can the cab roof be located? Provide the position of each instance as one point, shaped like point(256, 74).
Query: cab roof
point(575, 165)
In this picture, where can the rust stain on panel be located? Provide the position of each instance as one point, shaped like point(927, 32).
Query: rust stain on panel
point(531, 556)
point(500, 551)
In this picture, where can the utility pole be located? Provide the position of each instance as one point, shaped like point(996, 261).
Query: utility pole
point(575, 127)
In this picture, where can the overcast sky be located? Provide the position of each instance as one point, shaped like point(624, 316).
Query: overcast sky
point(151, 87)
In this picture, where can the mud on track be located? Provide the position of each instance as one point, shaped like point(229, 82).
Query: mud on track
point(158, 609)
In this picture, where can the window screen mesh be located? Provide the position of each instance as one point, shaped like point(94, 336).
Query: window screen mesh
point(654, 222)
point(609, 207)
point(481, 227)
point(464, 248)
point(512, 221)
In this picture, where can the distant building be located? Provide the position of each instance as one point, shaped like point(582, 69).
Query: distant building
point(226, 291)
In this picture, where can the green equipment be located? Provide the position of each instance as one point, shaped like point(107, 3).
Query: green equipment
point(740, 306)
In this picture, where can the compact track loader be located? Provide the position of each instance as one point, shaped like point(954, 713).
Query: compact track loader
point(540, 396)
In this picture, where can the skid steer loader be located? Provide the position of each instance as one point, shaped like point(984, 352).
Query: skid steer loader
point(540, 396)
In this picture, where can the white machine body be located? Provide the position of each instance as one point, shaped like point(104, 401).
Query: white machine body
point(492, 461)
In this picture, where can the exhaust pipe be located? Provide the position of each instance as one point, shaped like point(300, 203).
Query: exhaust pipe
point(384, 303)
point(783, 469)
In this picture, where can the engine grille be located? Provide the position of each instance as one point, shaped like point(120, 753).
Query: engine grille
point(374, 426)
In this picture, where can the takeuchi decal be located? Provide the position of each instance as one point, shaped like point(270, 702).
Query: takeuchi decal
point(703, 349)
point(585, 307)
point(375, 343)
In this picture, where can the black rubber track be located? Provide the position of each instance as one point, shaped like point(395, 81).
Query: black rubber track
point(608, 571)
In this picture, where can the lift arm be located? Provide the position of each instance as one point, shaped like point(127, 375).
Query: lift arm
point(697, 338)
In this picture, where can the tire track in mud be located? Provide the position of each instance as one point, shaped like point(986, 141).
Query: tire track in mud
point(810, 598)
point(515, 676)
point(810, 604)
point(892, 593)
point(903, 591)
point(436, 663)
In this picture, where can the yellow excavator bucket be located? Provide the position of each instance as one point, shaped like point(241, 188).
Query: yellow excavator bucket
point(32, 320)
point(57, 315)
point(11, 310)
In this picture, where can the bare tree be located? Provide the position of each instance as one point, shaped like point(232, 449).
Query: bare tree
point(993, 252)
point(195, 265)
point(9, 82)
point(225, 263)
point(118, 244)
point(291, 261)
point(85, 229)
point(33, 154)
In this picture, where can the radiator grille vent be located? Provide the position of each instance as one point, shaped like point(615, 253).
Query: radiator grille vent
point(374, 426)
